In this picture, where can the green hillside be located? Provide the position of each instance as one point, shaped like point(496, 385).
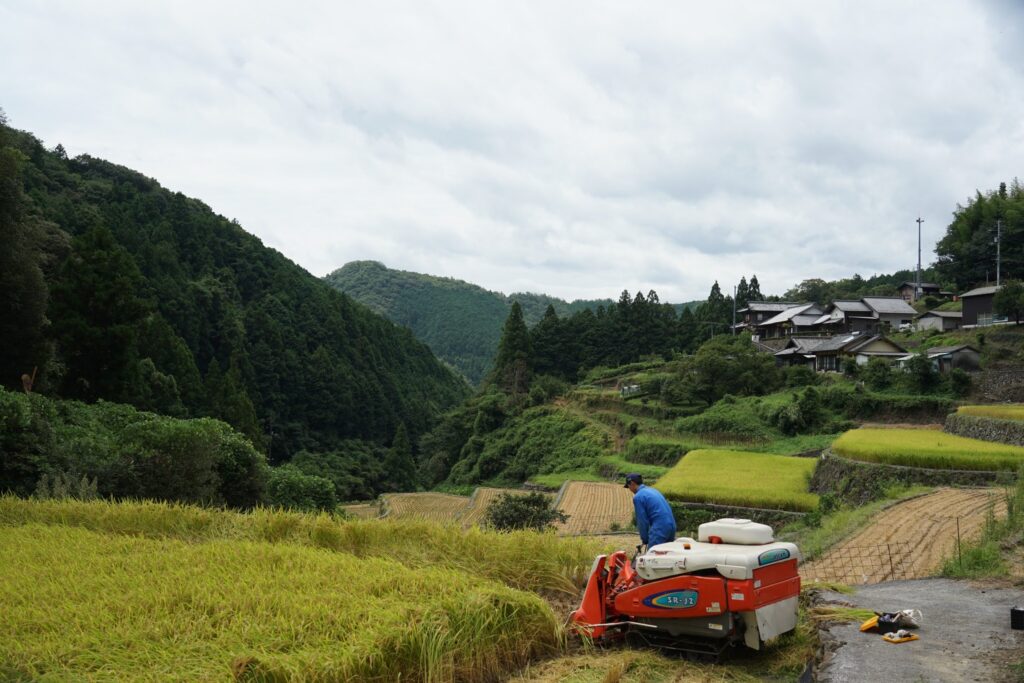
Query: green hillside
point(459, 321)
point(113, 287)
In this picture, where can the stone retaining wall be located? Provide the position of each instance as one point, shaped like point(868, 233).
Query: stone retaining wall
point(999, 385)
point(986, 428)
point(857, 482)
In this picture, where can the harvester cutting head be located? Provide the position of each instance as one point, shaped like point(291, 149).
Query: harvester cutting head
point(733, 584)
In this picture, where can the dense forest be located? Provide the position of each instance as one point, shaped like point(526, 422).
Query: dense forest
point(459, 321)
point(115, 288)
point(967, 252)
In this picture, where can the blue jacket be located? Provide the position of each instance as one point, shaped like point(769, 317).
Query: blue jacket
point(654, 518)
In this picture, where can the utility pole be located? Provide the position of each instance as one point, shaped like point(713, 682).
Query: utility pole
point(999, 247)
point(917, 288)
point(734, 292)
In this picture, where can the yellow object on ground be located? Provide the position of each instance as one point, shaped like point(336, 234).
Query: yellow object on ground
point(869, 625)
point(893, 638)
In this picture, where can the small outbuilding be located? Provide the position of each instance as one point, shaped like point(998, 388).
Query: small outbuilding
point(977, 306)
point(943, 321)
point(945, 358)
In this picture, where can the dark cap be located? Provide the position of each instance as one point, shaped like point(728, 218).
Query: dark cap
point(633, 477)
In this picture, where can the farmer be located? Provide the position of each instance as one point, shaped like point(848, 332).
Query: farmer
point(654, 518)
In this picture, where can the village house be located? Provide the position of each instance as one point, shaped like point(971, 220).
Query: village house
point(791, 321)
point(827, 354)
point(756, 312)
point(907, 290)
point(847, 315)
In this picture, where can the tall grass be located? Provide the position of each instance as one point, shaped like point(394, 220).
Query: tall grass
point(741, 478)
point(927, 448)
point(984, 557)
point(80, 604)
point(522, 559)
point(1001, 412)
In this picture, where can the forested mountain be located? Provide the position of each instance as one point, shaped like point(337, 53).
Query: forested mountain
point(461, 322)
point(112, 287)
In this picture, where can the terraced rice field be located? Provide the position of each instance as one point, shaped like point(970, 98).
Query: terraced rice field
point(432, 507)
point(594, 507)
point(909, 540)
point(363, 510)
point(476, 507)
point(1012, 411)
point(741, 478)
point(926, 448)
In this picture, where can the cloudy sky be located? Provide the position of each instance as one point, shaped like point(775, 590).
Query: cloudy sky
point(572, 148)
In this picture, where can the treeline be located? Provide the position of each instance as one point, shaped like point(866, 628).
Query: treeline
point(967, 252)
point(57, 448)
point(114, 288)
point(459, 321)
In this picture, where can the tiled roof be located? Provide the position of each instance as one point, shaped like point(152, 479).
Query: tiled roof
point(889, 305)
point(944, 314)
point(851, 306)
point(768, 306)
point(792, 312)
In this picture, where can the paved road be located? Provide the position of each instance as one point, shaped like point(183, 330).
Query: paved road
point(965, 636)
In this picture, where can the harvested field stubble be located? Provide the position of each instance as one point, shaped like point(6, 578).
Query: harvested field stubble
point(433, 507)
point(741, 478)
point(595, 507)
point(476, 508)
point(79, 604)
point(927, 449)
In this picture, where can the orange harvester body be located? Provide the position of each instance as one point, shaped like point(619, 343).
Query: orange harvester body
point(693, 596)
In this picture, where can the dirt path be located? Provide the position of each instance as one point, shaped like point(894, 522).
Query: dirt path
point(909, 540)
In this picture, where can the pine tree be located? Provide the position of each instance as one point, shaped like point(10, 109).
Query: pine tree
point(754, 290)
point(400, 464)
point(742, 293)
point(513, 364)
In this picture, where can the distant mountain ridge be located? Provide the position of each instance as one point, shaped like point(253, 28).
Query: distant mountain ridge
point(129, 292)
point(459, 321)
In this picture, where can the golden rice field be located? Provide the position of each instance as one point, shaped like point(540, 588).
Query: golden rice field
point(433, 507)
point(362, 510)
point(1013, 411)
point(927, 448)
point(146, 591)
point(595, 507)
point(741, 478)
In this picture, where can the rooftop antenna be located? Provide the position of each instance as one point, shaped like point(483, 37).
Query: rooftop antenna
point(917, 288)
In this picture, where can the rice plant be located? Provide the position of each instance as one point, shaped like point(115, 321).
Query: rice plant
point(1002, 412)
point(78, 604)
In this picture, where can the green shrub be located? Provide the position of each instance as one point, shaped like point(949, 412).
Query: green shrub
point(288, 487)
point(877, 374)
point(801, 376)
point(650, 450)
point(727, 417)
point(534, 511)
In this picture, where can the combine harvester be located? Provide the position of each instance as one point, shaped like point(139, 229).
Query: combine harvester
point(734, 584)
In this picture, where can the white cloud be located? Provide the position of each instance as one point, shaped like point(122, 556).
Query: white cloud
point(571, 148)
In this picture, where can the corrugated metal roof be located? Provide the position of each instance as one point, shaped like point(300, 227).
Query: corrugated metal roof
point(790, 313)
point(980, 291)
point(769, 306)
point(851, 306)
point(943, 350)
point(889, 305)
point(944, 314)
